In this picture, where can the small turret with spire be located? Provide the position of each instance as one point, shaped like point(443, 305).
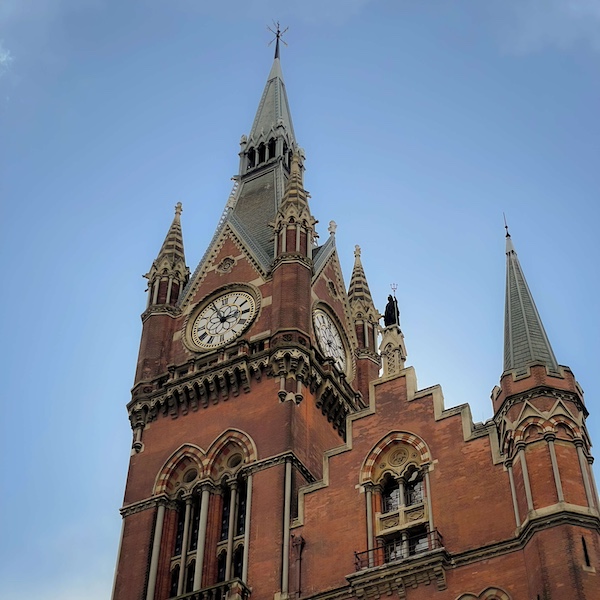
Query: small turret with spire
point(294, 225)
point(540, 416)
point(366, 323)
point(168, 273)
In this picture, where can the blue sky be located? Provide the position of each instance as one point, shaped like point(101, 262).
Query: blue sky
point(422, 123)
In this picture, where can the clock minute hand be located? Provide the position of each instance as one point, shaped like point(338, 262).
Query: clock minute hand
point(219, 313)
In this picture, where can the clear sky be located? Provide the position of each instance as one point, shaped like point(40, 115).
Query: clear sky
point(422, 122)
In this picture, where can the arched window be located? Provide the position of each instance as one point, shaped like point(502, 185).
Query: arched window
point(251, 157)
point(189, 576)
point(195, 523)
point(221, 565)
point(413, 489)
point(241, 508)
point(262, 152)
point(226, 496)
point(390, 495)
point(238, 561)
point(395, 476)
point(179, 530)
point(174, 581)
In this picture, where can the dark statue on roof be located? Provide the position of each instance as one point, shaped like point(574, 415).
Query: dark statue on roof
point(392, 314)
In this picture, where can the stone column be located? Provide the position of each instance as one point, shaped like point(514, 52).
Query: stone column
point(247, 527)
point(184, 544)
point(204, 504)
point(513, 492)
point(550, 437)
point(521, 451)
point(231, 529)
point(428, 493)
point(584, 473)
point(158, 528)
point(593, 479)
point(370, 538)
point(169, 287)
point(286, 528)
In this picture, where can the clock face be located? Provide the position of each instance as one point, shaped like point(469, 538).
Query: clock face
point(223, 319)
point(329, 338)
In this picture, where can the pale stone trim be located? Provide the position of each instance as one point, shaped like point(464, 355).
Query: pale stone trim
point(584, 472)
point(158, 529)
point(513, 493)
point(525, 472)
point(204, 505)
point(247, 527)
point(555, 471)
point(286, 529)
point(231, 532)
point(369, 504)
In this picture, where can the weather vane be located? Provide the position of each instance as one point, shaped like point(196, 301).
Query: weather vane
point(278, 36)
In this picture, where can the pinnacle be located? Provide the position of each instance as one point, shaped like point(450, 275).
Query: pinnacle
point(525, 340)
point(358, 292)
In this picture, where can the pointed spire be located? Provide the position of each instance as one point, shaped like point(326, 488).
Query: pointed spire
point(172, 248)
point(273, 110)
point(169, 273)
point(359, 294)
point(525, 340)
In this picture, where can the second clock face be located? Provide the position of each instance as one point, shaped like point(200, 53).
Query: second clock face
point(223, 319)
point(329, 338)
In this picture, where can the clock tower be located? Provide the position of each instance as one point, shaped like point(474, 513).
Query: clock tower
point(282, 448)
point(246, 375)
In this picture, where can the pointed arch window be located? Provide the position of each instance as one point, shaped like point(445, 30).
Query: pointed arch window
point(397, 493)
point(272, 147)
point(174, 581)
point(262, 153)
point(251, 158)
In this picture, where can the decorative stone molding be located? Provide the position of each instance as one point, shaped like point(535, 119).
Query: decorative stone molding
point(396, 577)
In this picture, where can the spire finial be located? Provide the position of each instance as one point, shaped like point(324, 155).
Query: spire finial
point(506, 226)
point(357, 251)
point(178, 209)
point(277, 33)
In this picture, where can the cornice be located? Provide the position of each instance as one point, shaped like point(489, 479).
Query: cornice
point(162, 309)
point(214, 378)
point(538, 392)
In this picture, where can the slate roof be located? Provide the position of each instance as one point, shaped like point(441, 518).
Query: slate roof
point(525, 340)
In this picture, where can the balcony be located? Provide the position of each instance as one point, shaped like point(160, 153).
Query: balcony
point(234, 589)
point(400, 517)
point(398, 549)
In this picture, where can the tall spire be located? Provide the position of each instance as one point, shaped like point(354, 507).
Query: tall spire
point(273, 110)
point(525, 340)
point(169, 273)
point(265, 163)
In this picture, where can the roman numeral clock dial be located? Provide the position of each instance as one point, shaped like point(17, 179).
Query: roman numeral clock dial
point(223, 318)
point(329, 339)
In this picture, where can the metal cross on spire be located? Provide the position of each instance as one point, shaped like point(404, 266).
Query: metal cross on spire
point(278, 36)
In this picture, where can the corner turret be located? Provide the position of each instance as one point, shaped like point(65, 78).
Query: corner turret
point(168, 273)
point(366, 323)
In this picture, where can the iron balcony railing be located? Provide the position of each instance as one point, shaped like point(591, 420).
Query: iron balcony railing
point(234, 589)
point(400, 548)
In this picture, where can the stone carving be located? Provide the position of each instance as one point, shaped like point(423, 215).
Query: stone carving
point(226, 265)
